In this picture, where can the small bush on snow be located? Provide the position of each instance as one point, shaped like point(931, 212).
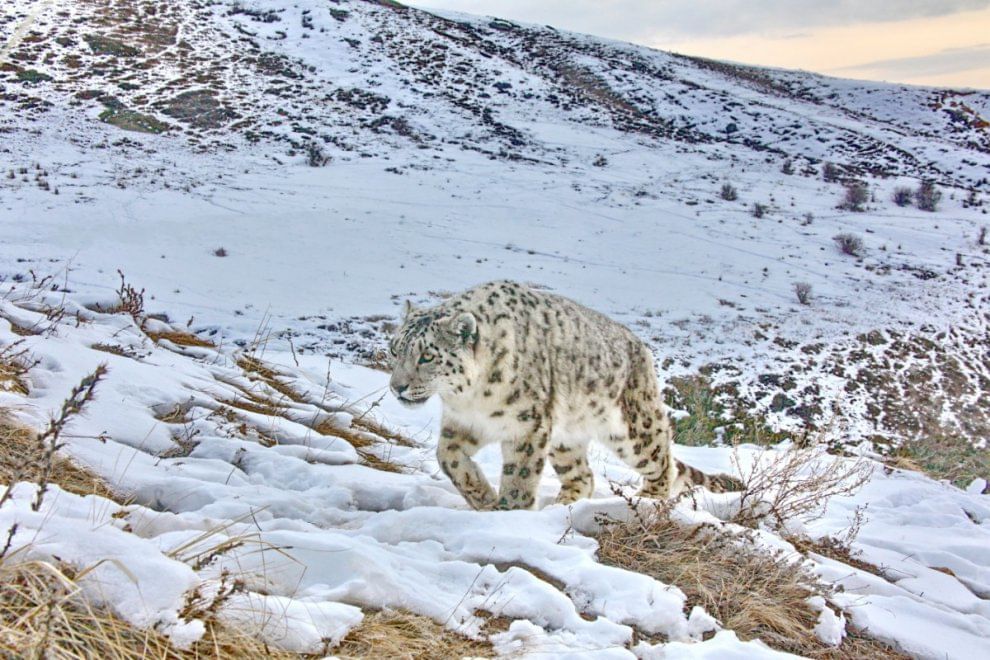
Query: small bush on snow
point(850, 244)
point(902, 196)
point(831, 173)
point(315, 156)
point(857, 194)
point(927, 196)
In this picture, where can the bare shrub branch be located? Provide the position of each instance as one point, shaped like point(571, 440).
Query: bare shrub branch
point(803, 292)
point(81, 395)
point(850, 244)
point(795, 484)
point(927, 196)
point(131, 300)
point(857, 195)
point(902, 196)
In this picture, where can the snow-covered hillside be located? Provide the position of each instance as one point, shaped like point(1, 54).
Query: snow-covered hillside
point(287, 174)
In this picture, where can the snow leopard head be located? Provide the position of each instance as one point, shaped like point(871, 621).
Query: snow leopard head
point(431, 353)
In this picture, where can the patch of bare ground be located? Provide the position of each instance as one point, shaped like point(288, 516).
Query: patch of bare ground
point(755, 594)
point(400, 635)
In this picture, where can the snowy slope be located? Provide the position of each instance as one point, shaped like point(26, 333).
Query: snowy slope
point(145, 136)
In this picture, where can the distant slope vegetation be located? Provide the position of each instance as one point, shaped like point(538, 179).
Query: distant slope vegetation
point(314, 72)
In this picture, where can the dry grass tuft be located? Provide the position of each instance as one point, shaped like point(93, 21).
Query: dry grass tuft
point(180, 338)
point(114, 349)
point(254, 367)
point(361, 441)
point(44, 615)
point(22, 331)
point(255, 405)
point(757, 595)
point(42, 611)
point(833, 549)
point(22, 458)
point(943, 457)
point(400, 635)
point(14, 367)
point(362, 434)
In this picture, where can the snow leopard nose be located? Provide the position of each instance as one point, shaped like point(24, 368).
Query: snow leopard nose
point(399, 389)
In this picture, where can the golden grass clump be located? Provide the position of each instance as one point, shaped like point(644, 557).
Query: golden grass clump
point(753, 593)
point(180, 338)
point(403, 636)
point(22, 458)
point(361, 441)
point(44, 615)
point(257, 368)
point(14, 367)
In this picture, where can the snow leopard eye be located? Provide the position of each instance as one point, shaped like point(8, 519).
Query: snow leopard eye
point(426, 358)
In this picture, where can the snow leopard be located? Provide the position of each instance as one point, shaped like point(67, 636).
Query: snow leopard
point(542, 376)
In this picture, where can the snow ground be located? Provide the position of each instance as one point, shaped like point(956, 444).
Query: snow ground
point(324, 533)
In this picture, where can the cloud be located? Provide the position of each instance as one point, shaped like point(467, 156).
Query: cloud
point(947, 60)
point(636, 20)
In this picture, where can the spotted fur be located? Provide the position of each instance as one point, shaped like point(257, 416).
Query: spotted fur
point(542, 376)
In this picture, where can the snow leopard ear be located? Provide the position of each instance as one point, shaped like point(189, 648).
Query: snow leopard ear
point(408, 307)
point(463, 329)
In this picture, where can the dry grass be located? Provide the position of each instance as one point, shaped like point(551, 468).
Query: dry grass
point(755, 594)
point(180, 338)
point(254, 404)
point(42, 611)
point(22, 458)
point(361, 441)
point(400, 635)
point(44, 615)
point(14, 367)
point(253, 366)
point(833, 549)
point(362, 434)
point(943, 457)
point(114, 349)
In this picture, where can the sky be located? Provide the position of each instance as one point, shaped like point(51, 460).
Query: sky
point(924, 42)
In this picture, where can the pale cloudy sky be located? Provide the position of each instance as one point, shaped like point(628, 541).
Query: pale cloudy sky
point(930, 42)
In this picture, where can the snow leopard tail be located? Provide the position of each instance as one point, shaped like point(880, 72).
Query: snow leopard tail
point(689, 477)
